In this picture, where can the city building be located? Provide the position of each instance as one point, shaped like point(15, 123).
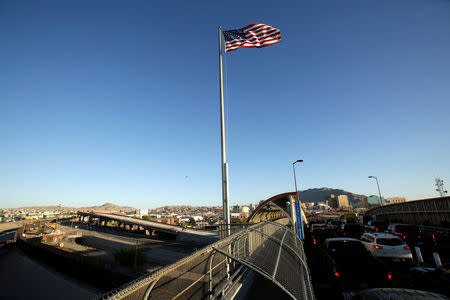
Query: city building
point(365, 203)
point(394, 200)
point(374, 200)
point(141, 212)
point(343, 201)
point(236, 209)
point(245, 209)
point(332, 201)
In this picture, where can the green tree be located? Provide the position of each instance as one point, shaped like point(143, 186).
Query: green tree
point(130, 256)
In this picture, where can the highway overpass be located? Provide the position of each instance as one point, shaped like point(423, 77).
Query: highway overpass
point(133, 224)
point(428, 212)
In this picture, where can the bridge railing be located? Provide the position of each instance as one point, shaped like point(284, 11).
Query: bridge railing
point(270, 249)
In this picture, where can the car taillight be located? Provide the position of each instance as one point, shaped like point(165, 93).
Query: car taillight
point(389, 276)
point(336, 273)
point(407, 248)
point(404, 236)
point(314, 241)
point(345, 233)
point(376, 229)
point(377, 247)
point(434, 238)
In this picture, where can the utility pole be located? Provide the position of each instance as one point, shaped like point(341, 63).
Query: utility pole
point(378, 186)
point(440, 187)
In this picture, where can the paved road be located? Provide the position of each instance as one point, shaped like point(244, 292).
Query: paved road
point(6, 236)
point(159, 225)
point(11, 225)
point(23, 277)
point(158, 252)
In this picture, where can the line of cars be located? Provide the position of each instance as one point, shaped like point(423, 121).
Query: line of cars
point(352, 256)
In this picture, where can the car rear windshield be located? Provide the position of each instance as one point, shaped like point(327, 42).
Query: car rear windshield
point(322, 230)
point(389, 242)
point(352, 227)
point(324, 234)
point(407, 228)
point(377, 223)
point(347, 248)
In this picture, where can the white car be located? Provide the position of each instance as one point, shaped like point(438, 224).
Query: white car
point(385, 245)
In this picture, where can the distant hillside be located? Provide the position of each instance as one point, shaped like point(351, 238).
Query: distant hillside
point(109, 206)
point(321, 194)
point(106, 206)
point(47, 208)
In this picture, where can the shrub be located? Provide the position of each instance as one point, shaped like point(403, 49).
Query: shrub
point(129, 256)
point(148, 218)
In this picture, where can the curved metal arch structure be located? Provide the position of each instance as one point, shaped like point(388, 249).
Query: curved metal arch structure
point(274, 208)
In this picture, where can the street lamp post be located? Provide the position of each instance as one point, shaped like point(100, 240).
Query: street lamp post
point(378, 186)
point(298, 197)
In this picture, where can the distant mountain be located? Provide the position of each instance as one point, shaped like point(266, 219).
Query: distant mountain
point(110, 207)
point(106, 206)
point(47, 208)
point(322, 194)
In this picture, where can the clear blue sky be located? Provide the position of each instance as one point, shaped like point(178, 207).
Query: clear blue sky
point(117, 101)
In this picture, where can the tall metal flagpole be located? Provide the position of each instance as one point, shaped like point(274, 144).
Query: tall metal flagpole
point(226, 208)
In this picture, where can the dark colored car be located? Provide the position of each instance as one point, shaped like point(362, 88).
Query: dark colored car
point(319, 235)
point(376, 226)
point(348, 264)
point(412, 235)
point(351, 230)
point(436, 280)
point(335, 224)
point(318, 225)
point(392, 294)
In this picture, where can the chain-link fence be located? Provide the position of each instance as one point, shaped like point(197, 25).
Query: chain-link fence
point(268, 248)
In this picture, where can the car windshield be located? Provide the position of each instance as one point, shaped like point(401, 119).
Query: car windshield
point(407, 228)
point(389, 241)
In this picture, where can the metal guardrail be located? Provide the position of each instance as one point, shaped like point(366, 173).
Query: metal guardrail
point(271, 249)
point(436, 230)
point(429, 212)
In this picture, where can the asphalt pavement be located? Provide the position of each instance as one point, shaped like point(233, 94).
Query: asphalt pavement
point(23, 277)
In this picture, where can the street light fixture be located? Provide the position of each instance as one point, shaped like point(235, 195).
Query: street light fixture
point(378, 186)
point(298, 197)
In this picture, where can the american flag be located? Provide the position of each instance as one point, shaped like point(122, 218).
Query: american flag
point(254, 35)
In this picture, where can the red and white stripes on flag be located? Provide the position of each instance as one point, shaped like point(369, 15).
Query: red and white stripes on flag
point(254, 35)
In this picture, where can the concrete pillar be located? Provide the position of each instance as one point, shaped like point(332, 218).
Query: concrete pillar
point(418, 255)
point(437, 259)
